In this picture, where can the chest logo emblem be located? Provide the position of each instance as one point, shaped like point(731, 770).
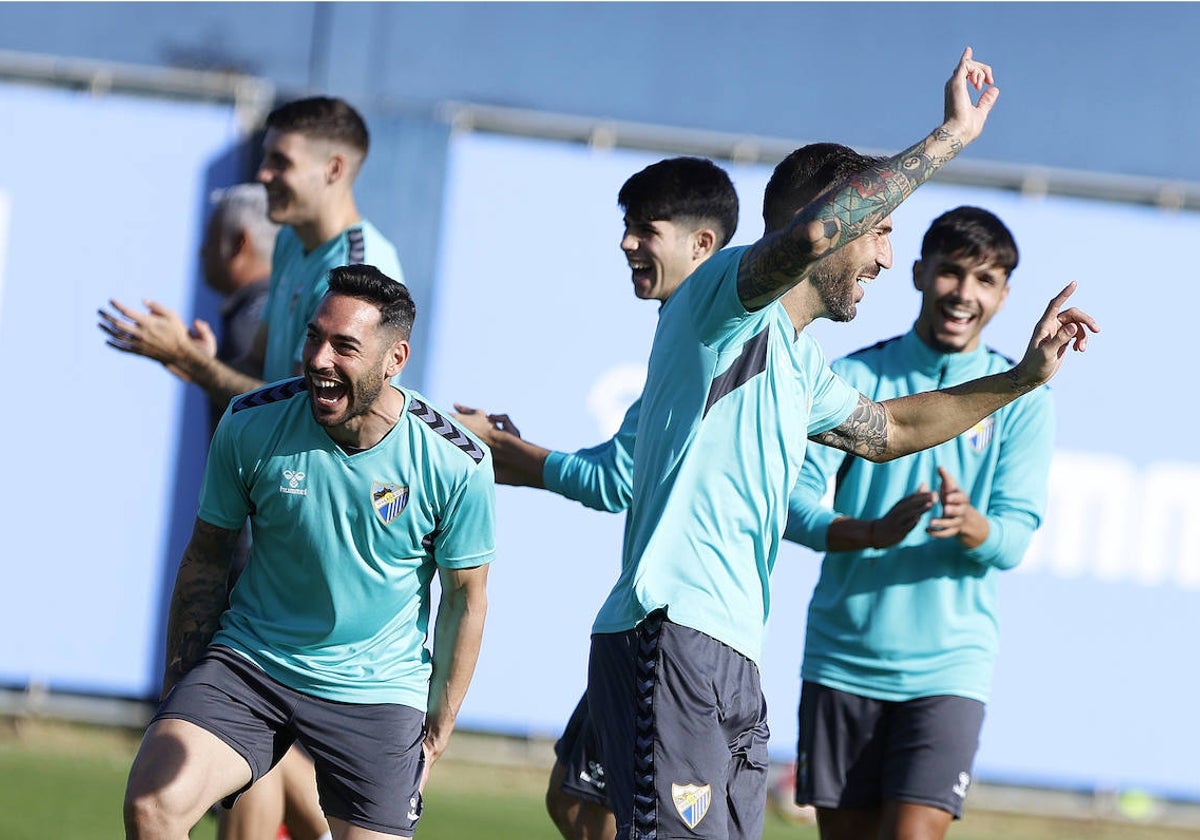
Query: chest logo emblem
point(980, 434)
point(388, 499)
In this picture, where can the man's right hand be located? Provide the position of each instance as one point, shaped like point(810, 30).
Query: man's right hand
point(963, 118)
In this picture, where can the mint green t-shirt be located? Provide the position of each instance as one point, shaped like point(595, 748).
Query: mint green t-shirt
point(731, 397)
point(335, 599)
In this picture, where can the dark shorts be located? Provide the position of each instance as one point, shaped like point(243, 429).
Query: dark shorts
point(857, 752)
point(369, 757)
point(578, 751)
point(682, 726)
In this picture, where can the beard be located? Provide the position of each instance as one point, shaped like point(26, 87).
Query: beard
point(834, 280)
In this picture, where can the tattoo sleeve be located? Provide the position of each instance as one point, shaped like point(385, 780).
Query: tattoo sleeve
point(847, 211)
point(198, 599)
point(863, 433)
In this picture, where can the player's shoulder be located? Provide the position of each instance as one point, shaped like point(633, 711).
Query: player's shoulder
point(444, 429)
point(278, 394)
point(364, 243)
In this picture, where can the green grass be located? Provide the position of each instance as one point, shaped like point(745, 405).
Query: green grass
point(64, 781)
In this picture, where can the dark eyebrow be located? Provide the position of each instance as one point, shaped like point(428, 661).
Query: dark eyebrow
point(338, 337)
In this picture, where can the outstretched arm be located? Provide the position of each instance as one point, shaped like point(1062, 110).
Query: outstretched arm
point(198, 599)
point(456, 643)
point(160, 334)
point(848, 210)
point(517, 462)
point(892, 428)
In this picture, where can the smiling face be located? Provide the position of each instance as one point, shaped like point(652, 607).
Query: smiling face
point(661, 255)
point(348, 359)
point(838, 278)
point(959, 296)
point(294, 170)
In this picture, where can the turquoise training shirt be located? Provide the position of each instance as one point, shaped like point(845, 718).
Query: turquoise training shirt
point(600, 477)
point(730, 399)
point(919, 619)
point(300, 280)
point(335, 599)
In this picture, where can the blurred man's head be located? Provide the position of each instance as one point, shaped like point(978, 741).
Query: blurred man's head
point(312, 146)
point(238, 239)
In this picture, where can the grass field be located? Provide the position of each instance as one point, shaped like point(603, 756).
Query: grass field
point(66, 781)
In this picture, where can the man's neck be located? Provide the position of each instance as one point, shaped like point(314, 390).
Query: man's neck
point(336, 219)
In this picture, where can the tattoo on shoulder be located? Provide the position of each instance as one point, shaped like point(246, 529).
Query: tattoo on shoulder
point(863, 433)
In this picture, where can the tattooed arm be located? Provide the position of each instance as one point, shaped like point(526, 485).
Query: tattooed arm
point(851, 208)
point(885, 430)
point(198, 599)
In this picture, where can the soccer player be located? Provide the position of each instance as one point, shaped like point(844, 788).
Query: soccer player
point(678, 213)
point(312, 152)
point(358, 493)
point(734, 388)
point(902, 626)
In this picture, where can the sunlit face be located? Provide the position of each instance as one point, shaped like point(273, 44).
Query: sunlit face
point(293, 170)
point(346, 359)
point(959, 296)
point(839, 277)
point(660, 256)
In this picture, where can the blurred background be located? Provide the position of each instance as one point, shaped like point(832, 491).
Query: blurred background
point(501, 133)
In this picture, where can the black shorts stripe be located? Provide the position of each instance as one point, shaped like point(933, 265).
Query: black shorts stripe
point(284, 390)
point(750, 363)
point(357, 253)
point(444, 427)
point(645, 794)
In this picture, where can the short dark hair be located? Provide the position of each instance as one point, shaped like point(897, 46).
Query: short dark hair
point(366, 282)
point(805, 174)
point(679, 189)
point(324, 118)
point(971, 232)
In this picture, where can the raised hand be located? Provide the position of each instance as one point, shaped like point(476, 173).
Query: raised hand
point(956, 507)
point(158, 334)
point(964, 118)
point(1055, 333)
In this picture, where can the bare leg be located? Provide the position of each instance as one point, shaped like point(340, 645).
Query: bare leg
point(577, 819)
point(180, 770)
point(848, 823)
point(908, 821)
point(302, 811)
point(258, 812)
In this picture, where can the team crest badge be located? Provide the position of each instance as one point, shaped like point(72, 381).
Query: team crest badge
point(691, 801)
point(389, 499)
point(980, 434)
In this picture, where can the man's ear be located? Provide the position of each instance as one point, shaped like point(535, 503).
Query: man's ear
point(336, 168)
point(397, 357)
point(918, 276)
point(704, 242)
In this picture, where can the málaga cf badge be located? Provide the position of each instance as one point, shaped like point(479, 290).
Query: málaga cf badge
point(389, 499)
point(691, 801)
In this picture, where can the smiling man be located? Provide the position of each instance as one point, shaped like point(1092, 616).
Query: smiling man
point(902, 626)
point(313, 151)
point(358, 493)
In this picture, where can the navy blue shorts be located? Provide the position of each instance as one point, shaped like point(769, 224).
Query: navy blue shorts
point(682, 725)
point(578, 751)
point(858, 752)
point(369, 756)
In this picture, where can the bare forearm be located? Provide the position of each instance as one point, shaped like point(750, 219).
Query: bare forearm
point(198, 599)
point(850, 535)
point(919, 421)
point(843, 214)
point(220, 381)
point(457, 638)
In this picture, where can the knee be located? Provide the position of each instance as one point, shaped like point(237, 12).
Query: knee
point(147, 816)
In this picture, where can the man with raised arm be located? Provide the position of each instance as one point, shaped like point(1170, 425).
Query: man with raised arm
point(734, 388)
